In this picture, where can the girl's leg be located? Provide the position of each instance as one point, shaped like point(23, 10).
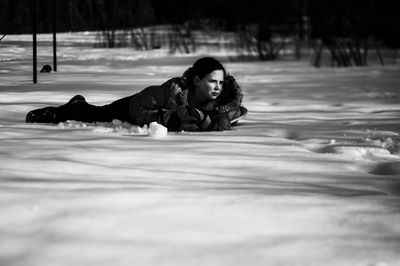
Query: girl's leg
point(78, 109)
point(92, 113)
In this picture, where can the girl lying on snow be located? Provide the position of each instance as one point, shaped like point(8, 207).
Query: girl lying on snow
point(205, 98)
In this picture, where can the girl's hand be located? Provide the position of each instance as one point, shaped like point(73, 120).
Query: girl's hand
point(189, 117)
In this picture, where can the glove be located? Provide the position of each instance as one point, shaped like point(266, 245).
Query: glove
point(221, 122)
point(217, 121)
point(172, 122)
point(189, 117)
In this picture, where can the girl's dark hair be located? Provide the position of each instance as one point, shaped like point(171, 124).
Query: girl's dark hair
point(206, 65)
point(201, 68)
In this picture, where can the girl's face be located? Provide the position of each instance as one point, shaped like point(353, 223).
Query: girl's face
point(209, 87)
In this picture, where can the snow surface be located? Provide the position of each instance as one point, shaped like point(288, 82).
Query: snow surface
point(310, 177)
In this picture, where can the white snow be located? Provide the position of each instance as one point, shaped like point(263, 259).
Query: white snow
point(310, 177)
point(117, 126)
point(157, 131)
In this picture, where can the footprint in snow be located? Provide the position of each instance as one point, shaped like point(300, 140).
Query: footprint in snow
point(386, 168)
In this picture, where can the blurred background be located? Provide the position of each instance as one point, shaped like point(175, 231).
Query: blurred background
point(350, 33)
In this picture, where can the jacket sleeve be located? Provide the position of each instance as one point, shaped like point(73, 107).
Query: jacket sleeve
point(168, 105)
point(158, 103)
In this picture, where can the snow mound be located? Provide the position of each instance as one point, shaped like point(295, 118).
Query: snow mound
point(157, 131)
point(357, 151)
point(385, 139)
point(373, 144)
point(116, 126)
point(392, 145)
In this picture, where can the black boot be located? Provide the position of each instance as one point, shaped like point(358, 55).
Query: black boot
point(57, 114)
point(43, 115)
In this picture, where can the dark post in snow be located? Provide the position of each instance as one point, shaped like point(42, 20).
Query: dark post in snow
point(34, 44)
point(54, 37)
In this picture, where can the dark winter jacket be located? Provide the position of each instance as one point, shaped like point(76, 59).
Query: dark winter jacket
point(168, 105)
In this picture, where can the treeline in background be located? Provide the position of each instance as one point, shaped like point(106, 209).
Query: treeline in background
point(347, 29)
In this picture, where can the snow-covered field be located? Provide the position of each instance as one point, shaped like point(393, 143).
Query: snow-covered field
point(310, 177)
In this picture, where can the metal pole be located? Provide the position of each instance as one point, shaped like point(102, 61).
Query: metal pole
point(54, 37)
point(34, 43)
